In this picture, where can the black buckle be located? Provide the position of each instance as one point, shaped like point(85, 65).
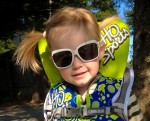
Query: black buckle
point(116, 110)
point(71, 112)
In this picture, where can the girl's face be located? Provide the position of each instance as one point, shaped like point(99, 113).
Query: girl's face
point(80, 73)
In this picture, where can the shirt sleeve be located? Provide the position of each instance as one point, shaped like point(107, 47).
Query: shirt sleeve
point(134, 111)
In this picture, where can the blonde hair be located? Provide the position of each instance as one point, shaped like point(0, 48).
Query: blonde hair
point(25, 53)
point(105, 23)
point(74, 17)
point(108, 21)
point(67, 16)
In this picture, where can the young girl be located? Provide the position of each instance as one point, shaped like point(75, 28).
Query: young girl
point(73, 37)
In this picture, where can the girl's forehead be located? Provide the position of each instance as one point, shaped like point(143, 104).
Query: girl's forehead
point(69, 37)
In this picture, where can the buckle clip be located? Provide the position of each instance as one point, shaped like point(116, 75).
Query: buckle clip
point(116, 110)
point(70, 112)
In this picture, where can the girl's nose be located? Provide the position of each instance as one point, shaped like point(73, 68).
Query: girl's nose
point(77, 63)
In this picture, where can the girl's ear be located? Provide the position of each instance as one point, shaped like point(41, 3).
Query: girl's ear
point(102, 51)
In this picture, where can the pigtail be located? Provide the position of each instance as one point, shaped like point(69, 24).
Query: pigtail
point(105, 23)
point(108, 21)
point(25, 53)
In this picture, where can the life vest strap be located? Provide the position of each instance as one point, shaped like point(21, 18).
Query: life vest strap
point(122, 101)
point(71, 112)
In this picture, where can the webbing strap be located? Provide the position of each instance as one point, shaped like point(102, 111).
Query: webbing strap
point(126, 82)
point(71, 112)
point(122, 100)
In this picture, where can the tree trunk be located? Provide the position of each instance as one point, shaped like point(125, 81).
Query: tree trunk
point(141, 54)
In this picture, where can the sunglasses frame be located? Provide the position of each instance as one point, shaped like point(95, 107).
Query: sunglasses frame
point(75, 52)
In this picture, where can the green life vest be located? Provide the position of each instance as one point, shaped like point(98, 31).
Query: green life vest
point(113, 65)
point(106, 100)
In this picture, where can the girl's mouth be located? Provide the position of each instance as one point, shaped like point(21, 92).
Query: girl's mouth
point(79, 74)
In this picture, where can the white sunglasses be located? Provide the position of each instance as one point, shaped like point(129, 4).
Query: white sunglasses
point(87, 51)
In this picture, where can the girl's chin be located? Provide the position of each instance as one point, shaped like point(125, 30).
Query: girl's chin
point(82, 85)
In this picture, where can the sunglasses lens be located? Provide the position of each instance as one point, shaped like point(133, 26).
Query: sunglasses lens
point(88, 52)
point(62, 59)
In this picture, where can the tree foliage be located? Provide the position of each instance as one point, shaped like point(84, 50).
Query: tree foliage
point(100, 8)
point(6, 45)
point(22, 15)
point(26, 15)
